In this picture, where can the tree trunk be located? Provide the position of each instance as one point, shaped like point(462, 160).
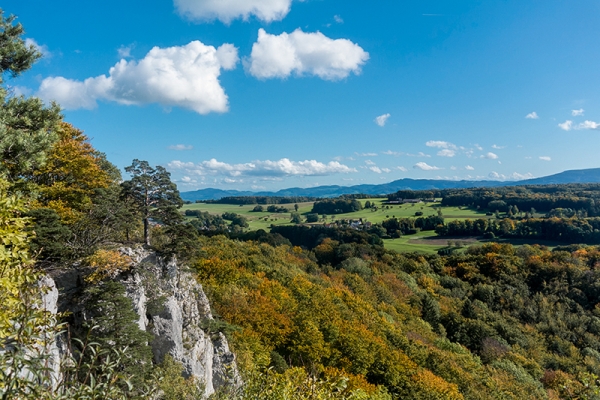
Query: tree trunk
point(146, 231)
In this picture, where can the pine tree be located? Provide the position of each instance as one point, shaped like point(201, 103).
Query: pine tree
point(26, 125)
point(154, 194)
point(114, 324)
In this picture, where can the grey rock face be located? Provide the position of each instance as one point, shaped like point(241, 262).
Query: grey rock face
point(172, 306)
point(53, 349)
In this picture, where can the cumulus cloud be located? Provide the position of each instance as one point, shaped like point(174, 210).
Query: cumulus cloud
point(469, 168)
point(180, 76)
point(490, 156)
point(181, 147)
point(512, 177)
point(301, 54)
point(401, 169)
point(338, 19)
point(375, 169)
point(382, 119)
point(262, 168)
point(532, 115)
point(228, 10)
point(42, 48)
point(440, 144)
point(446, 153)
point(566, 126)
point(577, 113)
point(425, 167)
point(498, 147)
point(19, 90)
point(369, 162)
point(187, 181)
point(125, 51)
point(545, 158)
point(588, 125)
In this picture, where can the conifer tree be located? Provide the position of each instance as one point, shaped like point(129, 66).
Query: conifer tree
point(26, 125)
point(114, 324)
point(154, 194)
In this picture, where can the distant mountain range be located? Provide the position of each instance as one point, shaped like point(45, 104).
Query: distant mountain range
point(591, 175)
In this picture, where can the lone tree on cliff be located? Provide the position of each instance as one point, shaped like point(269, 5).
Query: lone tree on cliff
point(154, 194)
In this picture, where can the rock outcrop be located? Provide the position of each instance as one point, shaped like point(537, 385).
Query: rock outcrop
point(173, 307)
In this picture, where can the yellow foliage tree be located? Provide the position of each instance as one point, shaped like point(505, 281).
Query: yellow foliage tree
point(107, 264)
point(72, 171)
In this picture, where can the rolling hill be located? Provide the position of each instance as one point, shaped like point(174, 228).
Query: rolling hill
point(591, 175)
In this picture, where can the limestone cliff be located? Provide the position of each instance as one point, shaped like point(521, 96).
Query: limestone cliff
point(172, 306)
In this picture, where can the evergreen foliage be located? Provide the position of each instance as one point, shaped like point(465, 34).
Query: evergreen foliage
point(113, 323)
point(153, 193)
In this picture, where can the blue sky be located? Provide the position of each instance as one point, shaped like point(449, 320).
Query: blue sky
point(268, 94)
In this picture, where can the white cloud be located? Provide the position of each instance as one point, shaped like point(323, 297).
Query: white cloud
point(181, 147)
point(469, 168)
point(392, 153)
point(300, 53)
point(401, 169)
point(369, 162)
point(578, 113)
point(264, 168)
point(545, 158)
point(125, 51)
point(425, 167)
point(446, 153)
point(187, 179)
point(498, 147)
point(440, 144)
point(19, 90)
point(490, 156)
point(338, 19)
point(532, 115)
point(386, 170)
point(382, 119)
point(375, 169)
point(366, 154)
point(588, 125)
point(181, 76)
point(42, 48)
point(512, 177)
point(566, 126)
point(228, 10)
point(478, 147)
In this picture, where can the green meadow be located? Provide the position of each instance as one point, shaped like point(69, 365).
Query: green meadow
point(422, 242)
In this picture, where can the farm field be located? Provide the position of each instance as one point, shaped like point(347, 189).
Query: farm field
point(424, 242)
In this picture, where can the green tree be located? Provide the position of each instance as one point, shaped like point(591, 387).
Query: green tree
point(296, 218)
point(114, 323)
point(155, 196)
point(26, 125)
point(312, 217)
